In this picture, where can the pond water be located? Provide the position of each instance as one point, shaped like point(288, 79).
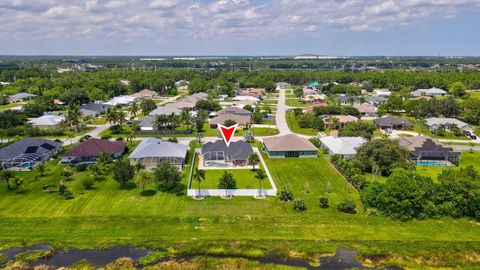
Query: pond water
point(343, 258)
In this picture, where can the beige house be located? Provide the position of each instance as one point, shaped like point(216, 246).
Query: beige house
point(341, 121)
point(146, 94)
point(289, 146)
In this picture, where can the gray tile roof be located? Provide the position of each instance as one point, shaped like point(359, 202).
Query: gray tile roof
point(239, 150)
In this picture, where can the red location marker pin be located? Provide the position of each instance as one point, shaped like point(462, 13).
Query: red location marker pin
point(227, 132)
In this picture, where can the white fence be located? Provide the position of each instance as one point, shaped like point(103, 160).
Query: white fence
point(232, 192)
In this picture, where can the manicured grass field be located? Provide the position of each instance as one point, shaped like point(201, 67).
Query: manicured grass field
point(245, 179)
point(294, 127)
point(294, 103)
point(109, 216)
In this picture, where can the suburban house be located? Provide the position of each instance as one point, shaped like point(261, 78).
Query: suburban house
point(382, 93)
point(166, 111)
point(253, 92)
point(309, 90)
point(289, 146)
point(431, 92)
point(195, 97)
point(344, 100)
point(246, 98)
point(282, 85)
point(314, 98)
point(217, 154)
point(147, 122)
point(243, 103)
point(376, 100)
point(366, 109)
point(94, 109)
point(27, 153)
point(22, 96)
point(151, 151)
point(146, 94)
point(181, 105)
point(390, 123)
point(121, 100)
point(434, 123)
point(425, 150)
point(234, 110)
point(311, 107)
point(47, 121)
point(343, 146)
point(241, 120)
point(89, 151)
point(341, 121)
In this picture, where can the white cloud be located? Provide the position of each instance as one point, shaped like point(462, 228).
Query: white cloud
point(222, 19)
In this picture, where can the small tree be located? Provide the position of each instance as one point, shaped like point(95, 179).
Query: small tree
point(323, 202)
point(87, 183)
point(143, 180)
point(347, 206)
point(229, 122)
point(41, 168)
point(227, 182)
point(299, 205)
point(199, 176)
point(253, 160)
point(260, 176)
point(123, 172)
point(168, 178)
point(285, 194)
point(95, 169)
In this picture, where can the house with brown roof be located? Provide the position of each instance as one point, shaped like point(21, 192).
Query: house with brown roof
point(146, 94)
point(366, 109)
point(340, 122)
point(390, 123)
point(427, 151)
point(289, 146)
point(253, 92)
point(90, 150)
point(241, 120)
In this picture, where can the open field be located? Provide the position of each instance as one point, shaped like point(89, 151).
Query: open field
point(295, 128)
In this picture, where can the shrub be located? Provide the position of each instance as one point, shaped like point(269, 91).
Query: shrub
point(88, 183)
point(116, 129)
point(323, 202)
point(106, 137)
point(347, 206)
point(299, 205)
point(81, 167)
point(285, 195)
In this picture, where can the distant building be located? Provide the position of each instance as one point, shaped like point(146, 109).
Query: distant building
point(47, 121)
point(166, 111)
point(431, 92)
point(241, 120)
point(283, 85)
point(342, 120)
point(253, 92)
point(289, 146)
point(27, 153)
point(146, 94)
point(390, 123)
point(434, 123)
point(94, 109)
point(382, 93)
point(346, 147)
point(22, 96)
point(424, 149)
point(366, 109)
point(121, 100)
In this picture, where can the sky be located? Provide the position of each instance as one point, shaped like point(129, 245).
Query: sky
point(240, 27)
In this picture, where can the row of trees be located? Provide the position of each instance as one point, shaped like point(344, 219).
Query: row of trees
point(407, 195)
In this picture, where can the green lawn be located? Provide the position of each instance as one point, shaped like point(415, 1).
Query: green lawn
point(108, 216)
point(295, 128)
point(245, 179)
point(295, 103)
point(424, 130)
point(12, 105)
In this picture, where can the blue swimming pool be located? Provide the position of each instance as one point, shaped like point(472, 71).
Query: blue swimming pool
point(217, 164)
point(434, 163)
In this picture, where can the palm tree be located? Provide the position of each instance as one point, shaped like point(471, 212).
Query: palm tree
point(111, 116)
point(95, 171)
point(121, 118)
point(143, 180)
point(260, 175)
point(41, 168)
point(138, 167)
point(6, 176)
point(253, 160)
point(334, 122)
point(185, 118)
point(199, 176)
point(73, 115)
point(134, 108)
point(161, 122)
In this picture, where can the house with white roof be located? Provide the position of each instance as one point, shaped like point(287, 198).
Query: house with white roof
point(382, 93)
point(47, 121)
point(343, 146)
point(22, 96)
point(121, 100)
point(431, 92)
point(151, 151)
point(434, 123)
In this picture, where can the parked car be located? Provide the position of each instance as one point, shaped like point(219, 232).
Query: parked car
point(473, 137)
